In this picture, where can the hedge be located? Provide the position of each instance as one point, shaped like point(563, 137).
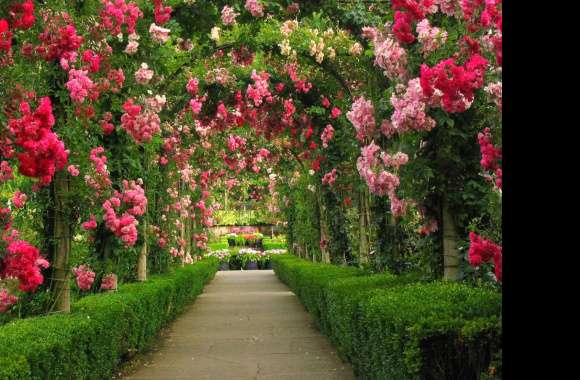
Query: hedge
point(399, 327)
point(218, 245)
point(101, 330)
point(308, 281)
point(273, 245)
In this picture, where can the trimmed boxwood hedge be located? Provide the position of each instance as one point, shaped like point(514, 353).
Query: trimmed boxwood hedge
point(101, 330)
point(273, 245)
point(308, 280)
point(399, 327)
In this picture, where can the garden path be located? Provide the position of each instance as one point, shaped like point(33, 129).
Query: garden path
point(246, 325)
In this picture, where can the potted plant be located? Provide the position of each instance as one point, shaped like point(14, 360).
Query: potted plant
point(235, 260)
point(232, 239)
point(240, 240)
point(249, 258)
point(264, 260)
point(271, 252)
point(223, 255)
point(259, 240)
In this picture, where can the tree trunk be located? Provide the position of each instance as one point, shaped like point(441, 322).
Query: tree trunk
point(142, 263)
point(60, 277)
point(323, 227)
point(450, 238)
point(364, 243)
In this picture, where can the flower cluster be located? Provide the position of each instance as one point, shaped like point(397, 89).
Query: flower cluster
point(84, 277)
point(483, 251)
point(408, 11)
point(329, 178)
point(372, 167)
point(288, 27)
point(134, 201)
point(327, 135)
point(494, 89)
point(91, 224)
point(140, 125)
point(43, 153)
point(24, 262)
point(161, 13)
point(124, 227)
point(260, 89)
point(490, 156)
point(391, 57)
point(132, 45)
point(58, 40)
point(192, 86)
point(159, 34)
point(451, 86)
point(116, 13)
point(92, 61)
point(23, 15)
point(144, 74)
point(229, 15)
point(6, 300)
point(133, 195)
point(5, 36)
point(242, 56)
point(431, 38)
point(19, 199)
point(255, 7)
point(410, 111)
point(301, 85)
point(356, 49)
point(235, 143)
point(6, 172)
point(402, 27)
point(362, 118)
point(102, 180)
point(109, 282)
point(81, 86)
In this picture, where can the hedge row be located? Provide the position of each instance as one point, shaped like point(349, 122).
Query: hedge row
point(101, 330)
point(273, 245)
point(399, 327)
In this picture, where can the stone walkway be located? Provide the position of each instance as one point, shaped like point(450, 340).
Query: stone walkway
point(246, 325)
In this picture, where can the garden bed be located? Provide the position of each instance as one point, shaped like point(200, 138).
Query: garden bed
point(244, 258)
point(398, 327)
point(101, 331)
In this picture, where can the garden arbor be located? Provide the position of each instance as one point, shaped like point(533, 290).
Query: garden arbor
point(371, 138)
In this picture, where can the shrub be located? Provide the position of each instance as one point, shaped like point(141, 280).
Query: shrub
point(342, 300)
point(273, 245)
point(92, 340)
point(397, 327)
point(218, 246)
point(308, 281)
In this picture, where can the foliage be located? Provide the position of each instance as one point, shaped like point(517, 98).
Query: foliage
point(241, 218)
point(395, 327)
point(92, 340)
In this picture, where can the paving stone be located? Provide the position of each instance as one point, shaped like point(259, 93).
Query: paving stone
point(246, 325)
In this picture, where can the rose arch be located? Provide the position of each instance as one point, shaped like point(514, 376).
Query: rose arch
point(373, 134)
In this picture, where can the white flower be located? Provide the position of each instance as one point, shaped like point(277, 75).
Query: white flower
point(311, 172)
point(331, 53)
point(285, 47)
point(215, 33)
point(356, 49)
